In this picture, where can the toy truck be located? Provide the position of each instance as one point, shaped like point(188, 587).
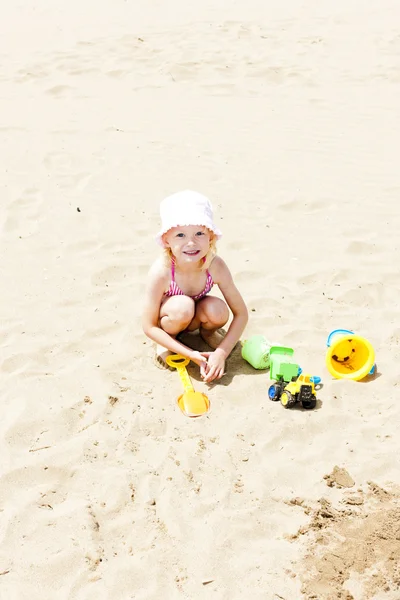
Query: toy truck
point(302, 390)
point(290, 385)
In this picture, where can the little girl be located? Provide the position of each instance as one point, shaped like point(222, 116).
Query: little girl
point(177, 296)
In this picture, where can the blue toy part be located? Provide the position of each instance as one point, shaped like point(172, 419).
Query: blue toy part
point(271, 392)
point(372, 371)
point(336, 331)
point(315, 380)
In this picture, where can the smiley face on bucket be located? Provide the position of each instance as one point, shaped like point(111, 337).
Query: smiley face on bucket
point(344, 351)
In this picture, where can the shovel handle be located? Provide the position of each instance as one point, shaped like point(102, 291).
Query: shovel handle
point(178, 362)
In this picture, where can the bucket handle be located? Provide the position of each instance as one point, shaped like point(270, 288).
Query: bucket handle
point(334, 332)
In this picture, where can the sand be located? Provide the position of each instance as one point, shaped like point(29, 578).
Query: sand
point(288, 118)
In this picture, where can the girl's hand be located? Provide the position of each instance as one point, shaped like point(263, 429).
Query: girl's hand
point(215, 365)
point(201, 360)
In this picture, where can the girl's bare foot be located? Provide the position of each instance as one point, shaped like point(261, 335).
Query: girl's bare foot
point(160, 357)
point(212, 337)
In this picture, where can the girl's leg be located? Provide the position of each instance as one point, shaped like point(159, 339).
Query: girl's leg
point(176, 314)
point(211, 313)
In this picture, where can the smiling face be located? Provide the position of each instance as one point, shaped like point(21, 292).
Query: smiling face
point(188, 243)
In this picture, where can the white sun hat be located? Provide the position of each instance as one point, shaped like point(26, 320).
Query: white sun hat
point(186, 208)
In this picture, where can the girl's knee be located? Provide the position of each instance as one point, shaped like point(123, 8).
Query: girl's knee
point(185, 308)
point(179, 312)
point(216, 311)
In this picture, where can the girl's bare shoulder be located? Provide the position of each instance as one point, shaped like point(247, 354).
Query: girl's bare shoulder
point(159, 271)
point(218, 268)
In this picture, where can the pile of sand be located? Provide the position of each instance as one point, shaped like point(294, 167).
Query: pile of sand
point(352, 550)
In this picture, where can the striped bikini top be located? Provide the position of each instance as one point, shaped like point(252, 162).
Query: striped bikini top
point(175, 290)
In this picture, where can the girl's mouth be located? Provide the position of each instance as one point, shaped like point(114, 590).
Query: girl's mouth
point(192, 252)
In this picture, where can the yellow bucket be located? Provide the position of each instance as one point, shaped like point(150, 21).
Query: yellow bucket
point(349, 356)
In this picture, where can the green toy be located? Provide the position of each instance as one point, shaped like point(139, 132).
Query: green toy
point(256, 350)
point(290, 386)
point(283, 368)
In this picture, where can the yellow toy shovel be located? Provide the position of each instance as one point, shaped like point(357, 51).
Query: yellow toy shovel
point(191, 403)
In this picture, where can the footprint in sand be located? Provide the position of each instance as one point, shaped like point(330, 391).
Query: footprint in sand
point(60, 91)
point(23, 214)
point(67, 171)
point(112, 275)
point(360, 248)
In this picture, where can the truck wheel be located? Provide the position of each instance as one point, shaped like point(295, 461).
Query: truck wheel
point(274, 391)
point(309, 404)
point(287, 399)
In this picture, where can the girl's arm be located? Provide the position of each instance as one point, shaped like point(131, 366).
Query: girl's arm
point(223, 278)
point(156, 285)
point(216, 360)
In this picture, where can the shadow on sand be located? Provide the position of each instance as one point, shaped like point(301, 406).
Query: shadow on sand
point(235, 364)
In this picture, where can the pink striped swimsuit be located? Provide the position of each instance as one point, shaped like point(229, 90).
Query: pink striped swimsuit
point(175, 290)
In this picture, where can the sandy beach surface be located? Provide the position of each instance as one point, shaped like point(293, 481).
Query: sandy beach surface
point(288, 118)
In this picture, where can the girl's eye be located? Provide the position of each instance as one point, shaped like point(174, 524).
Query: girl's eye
point(200, 233)
point(180, 235)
